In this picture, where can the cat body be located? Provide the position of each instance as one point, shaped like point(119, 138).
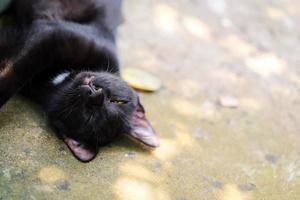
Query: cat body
point(62, 54)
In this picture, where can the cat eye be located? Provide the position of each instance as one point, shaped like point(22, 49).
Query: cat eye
point(97, 88)
point(120, 102)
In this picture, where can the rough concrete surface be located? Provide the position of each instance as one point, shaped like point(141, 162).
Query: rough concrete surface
point(204, 51)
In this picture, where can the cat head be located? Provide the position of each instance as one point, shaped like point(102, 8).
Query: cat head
point(91, 109)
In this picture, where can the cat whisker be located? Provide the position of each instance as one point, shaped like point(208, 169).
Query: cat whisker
point(122, 116)
point(108, 62)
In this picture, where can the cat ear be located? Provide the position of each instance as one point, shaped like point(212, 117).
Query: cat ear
point(142, 129)
point(80, 151)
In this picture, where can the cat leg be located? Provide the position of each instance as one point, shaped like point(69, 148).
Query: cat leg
point(10, 42)
point(14, 74)
point(7, 80)
point(36, 55)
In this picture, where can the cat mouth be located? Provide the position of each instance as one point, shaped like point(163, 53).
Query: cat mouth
point(93, 89)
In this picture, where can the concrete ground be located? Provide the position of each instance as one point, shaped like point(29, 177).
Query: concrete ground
point(203, 51)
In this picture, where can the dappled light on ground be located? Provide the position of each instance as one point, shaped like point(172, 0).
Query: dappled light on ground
point(196, 27)
point(231, 192)
point(165, 18)
point(242, 148)
point(226, 76)
point(295, 78)
point(185, 107)
point(251, 103)
point(184, 137)
point(171, 21)
point(132, 189)
point(236, 46)
point(275, 13)
point(51, 174)
point(187, 88)
point(266, 64)
point(293, 10)
point(168, 149)
point(139, 172)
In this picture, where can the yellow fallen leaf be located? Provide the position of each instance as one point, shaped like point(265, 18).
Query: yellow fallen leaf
point(141, 80)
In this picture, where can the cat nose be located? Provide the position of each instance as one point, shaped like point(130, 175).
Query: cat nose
point(96, 94)
point(88, 80)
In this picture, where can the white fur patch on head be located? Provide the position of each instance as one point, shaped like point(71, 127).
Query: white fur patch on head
point(60, 78)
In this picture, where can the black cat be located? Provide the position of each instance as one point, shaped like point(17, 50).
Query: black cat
point(62, 54)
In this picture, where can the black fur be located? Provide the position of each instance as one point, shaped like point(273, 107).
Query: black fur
point(78, 36)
